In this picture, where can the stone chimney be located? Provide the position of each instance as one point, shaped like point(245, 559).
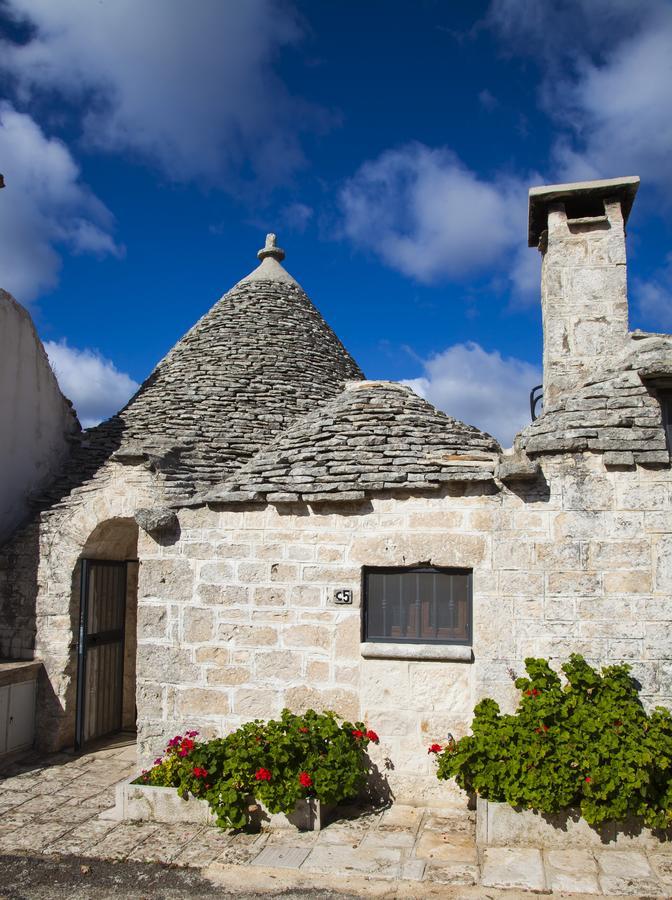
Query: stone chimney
point(580, 231)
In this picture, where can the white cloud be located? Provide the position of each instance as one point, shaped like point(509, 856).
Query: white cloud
point(654, 298)
point(607, 81)
point(480, 388)
point(94, 384)
point(188, 86)
point(424, 213)
point(44, 206)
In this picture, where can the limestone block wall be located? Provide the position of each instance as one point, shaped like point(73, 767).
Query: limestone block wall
point(584, 298)
point(40, 584)
point(236, 619)
point(36, 420)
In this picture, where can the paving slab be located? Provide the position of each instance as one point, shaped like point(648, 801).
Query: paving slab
point(572, 871)
point(392, 838)
point(123, 839)
point(448, 847)
point(400, 816)
point(80, 840)
point(514, 867)
point(166, 844)
point(281, 856)
point(457, 874)
point(383, 862)
point(208, 846)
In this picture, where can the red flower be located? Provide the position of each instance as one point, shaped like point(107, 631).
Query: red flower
point(304, 730)
point(262, 774)
point(435, 748)
point(357, 733)
point(588, 779)
point(372, 736)
point(200, 773)
point(305, 780)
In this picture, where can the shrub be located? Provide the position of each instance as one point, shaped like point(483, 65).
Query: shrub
point(587, 743)
point(277, 762)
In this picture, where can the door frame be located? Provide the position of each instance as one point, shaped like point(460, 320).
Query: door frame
point(82, 643)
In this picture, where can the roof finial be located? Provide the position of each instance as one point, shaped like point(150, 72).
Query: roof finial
point(271, 249)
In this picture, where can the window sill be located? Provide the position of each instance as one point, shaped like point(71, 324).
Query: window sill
point(436, 652)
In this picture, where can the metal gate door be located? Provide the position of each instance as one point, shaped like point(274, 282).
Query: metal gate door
point(100, 674)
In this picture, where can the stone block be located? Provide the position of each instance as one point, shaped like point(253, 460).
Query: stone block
point(574, 583)
point(572, 871)
point(307, 636)
point(229, 675)
point(248, 635)
point(168, 665)
point(284, 572)
point(270, 596)
point(219, 572)
point(564, 555)
point(278, 664)
point(609, 555)
point(512, 582)
point(257, 702)
point(663, 564)
point(624, 582)
point(152, 620)
point(222, 595)
point(167, 579)
point(254, 572)
point(344, 702)
point(199, 625)
point(317, 671)
point(511, 868)
point(348, 638)
point(201, 702)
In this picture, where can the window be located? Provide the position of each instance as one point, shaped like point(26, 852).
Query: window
point(665, 398)
point(419, 606)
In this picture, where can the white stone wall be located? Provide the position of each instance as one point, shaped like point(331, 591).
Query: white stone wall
point(236, 620)
point(35, 417)
point(584, 298)
point(40, 585)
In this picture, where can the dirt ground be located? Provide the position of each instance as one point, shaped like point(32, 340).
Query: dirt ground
point(77, 878)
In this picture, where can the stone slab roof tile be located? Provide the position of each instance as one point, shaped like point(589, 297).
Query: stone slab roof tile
point(262, 357)
point(372, 437)
point(616, 412)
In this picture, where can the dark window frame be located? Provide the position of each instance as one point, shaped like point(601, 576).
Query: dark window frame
point(665, 400)
point(411, 570)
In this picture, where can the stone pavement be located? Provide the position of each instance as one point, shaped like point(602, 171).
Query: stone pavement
point(60, 806)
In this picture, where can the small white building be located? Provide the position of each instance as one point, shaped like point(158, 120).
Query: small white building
point(261, 527)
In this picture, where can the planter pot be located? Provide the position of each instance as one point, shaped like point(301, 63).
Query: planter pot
point(141, 803)
point(500, 825)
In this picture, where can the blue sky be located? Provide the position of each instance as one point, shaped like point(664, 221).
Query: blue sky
point(148, 145)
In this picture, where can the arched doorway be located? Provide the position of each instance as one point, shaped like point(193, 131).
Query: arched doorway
point(106, 645)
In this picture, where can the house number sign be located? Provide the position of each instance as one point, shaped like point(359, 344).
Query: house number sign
point(342, 596)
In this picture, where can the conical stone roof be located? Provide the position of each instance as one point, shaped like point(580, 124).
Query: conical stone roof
point(260, 358)
point(375, 436)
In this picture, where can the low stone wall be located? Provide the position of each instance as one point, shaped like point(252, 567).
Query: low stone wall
point(500, 825)
point(141, 803)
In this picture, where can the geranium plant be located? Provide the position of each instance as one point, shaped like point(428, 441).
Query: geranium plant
point(587, 742)
point(277, 762)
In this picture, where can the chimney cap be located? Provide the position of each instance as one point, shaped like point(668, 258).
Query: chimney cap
point(541, 197)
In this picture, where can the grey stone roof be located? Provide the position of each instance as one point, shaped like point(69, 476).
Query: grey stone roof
point(260, 358)
point(375, 436)
point(616, 412)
